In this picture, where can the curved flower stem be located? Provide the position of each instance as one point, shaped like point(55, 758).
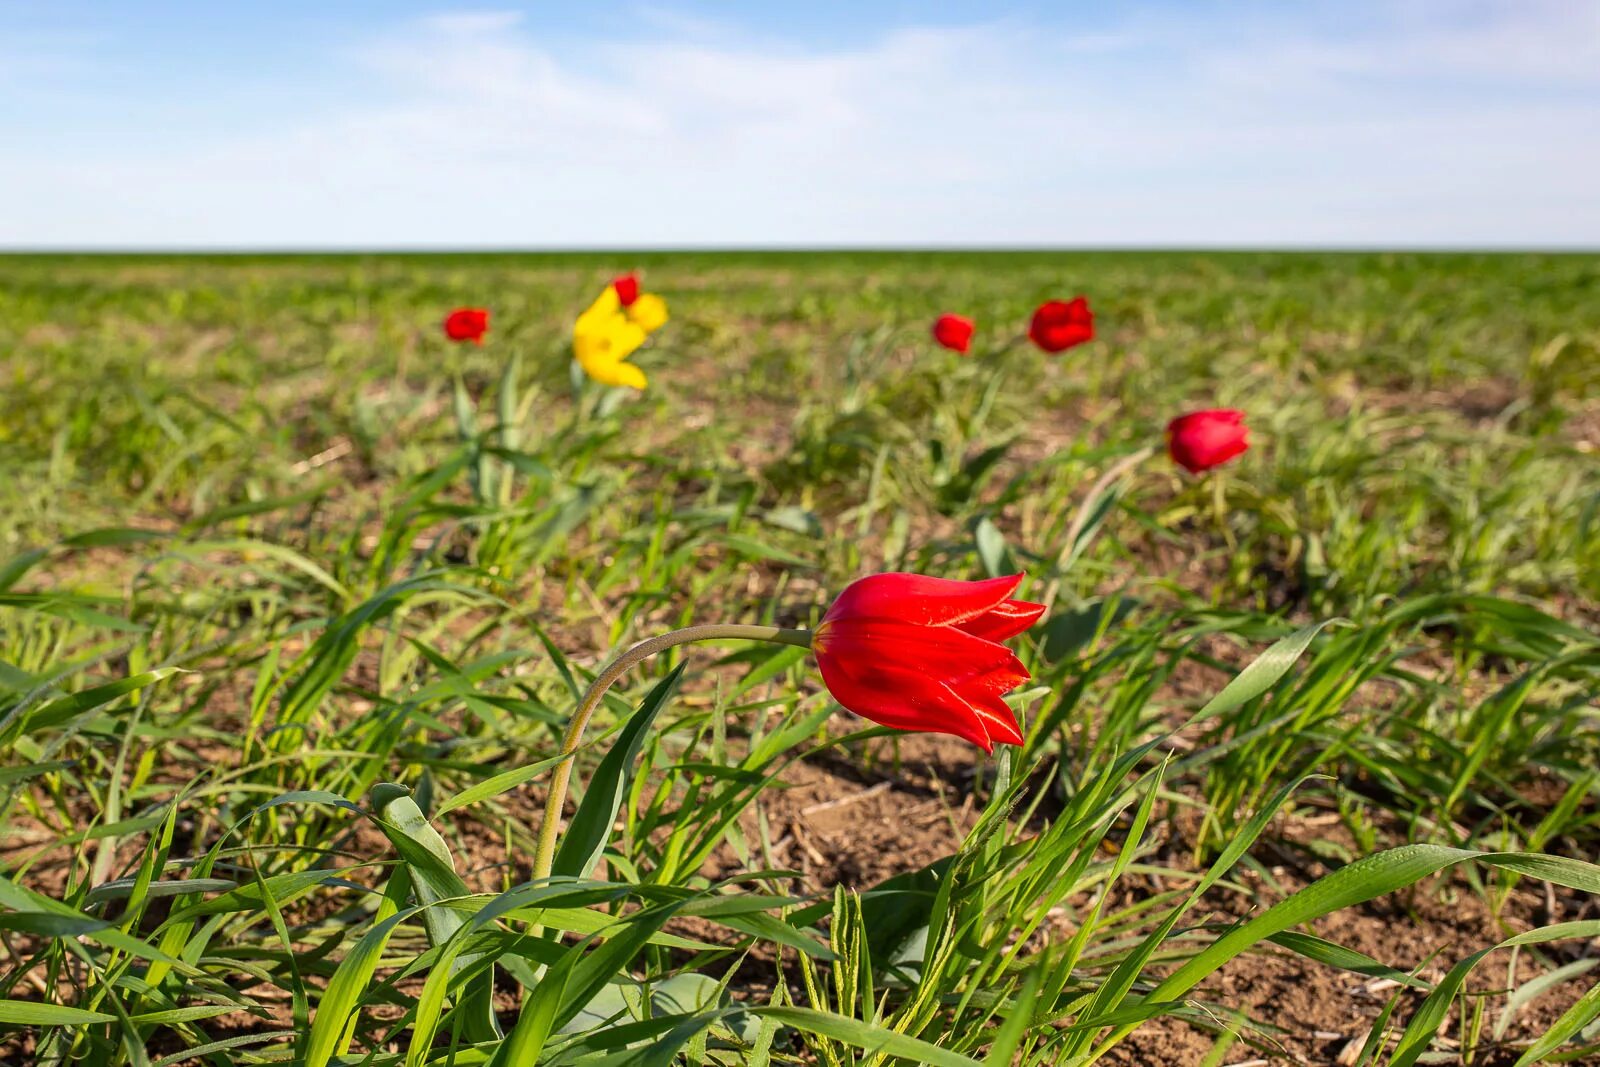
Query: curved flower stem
point(545, 854)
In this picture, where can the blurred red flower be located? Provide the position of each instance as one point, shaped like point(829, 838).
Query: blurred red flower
point(953, 332)
point(627, 287)
point(467, 324)
point(1201, 440)
point(1059, 324)
point(924, 654)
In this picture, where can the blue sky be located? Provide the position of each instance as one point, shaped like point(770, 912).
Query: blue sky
point(403, 124)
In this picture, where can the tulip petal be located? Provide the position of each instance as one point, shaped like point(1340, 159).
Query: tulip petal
point(943, 653)
point(998, 718)
point(601, 343)
point(903, 699)
point(1006, 620)
point(996, 682)
point(617, 374)
point(626, 287)
point(606, 306)
point(1229, 416)
point(648, 312)
point(984, 693)
point(919, 600)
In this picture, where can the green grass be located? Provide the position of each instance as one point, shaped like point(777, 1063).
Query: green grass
point(295, 600)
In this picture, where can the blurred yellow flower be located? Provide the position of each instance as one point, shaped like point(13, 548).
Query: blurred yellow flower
point(603, 338)
point(648, 311)
point(609, 331)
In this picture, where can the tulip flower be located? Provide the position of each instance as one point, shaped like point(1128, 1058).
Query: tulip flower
point(919, 653)
point(603, 337)
point(611, 329)
point(903, 650)
point(1201, 440)
point(627, 287)
point(1057, 325)
point(953, 332)
point(467, 324)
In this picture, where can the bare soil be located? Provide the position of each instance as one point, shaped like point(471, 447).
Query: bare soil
point(842, 825)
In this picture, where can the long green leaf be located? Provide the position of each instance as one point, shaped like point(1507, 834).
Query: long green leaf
point(586, 836)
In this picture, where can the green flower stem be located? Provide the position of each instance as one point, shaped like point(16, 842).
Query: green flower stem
point(545, 854)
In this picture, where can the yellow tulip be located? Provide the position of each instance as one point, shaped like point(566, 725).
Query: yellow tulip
point(607, 333)
point(601, 344)
point(648, 311)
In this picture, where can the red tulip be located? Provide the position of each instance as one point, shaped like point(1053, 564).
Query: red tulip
point(1205, 439)
point(954, 332)
point(919, 653)
point(627, 287)
point(1060, 324)
point(467, 324)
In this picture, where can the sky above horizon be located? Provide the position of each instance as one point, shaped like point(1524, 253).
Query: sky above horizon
point(689, 123)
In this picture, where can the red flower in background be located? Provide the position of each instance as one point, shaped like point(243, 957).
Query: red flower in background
point(1205, 439)
point(919, 653)
point(953, 332)
point(467, 324)
point(1059, 324)
point(627, 287)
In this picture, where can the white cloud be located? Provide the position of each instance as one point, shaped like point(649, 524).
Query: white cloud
point(1461, 123)
point(472, 23)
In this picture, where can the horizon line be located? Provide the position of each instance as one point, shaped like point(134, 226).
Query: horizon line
point(607, 249)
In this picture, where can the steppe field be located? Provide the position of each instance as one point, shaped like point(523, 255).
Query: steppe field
point(298, 597)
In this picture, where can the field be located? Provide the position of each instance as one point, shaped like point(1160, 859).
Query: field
point(297, 598)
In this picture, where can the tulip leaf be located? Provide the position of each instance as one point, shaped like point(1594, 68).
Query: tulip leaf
point(12, 570)
point(594, 973)
point(1571, 1022)
point(527, 1038)
point(434, 878)
point(865, 1036)
point(590, 829)
point(64, 709)
point(1091, 517)
point(1066, 632)
point(112, 537)
point(342, 999)
point(1330, 954)
point(799, 520)
point(895, 914)
point(1265, 672)
point(32, 1013)
point(992, 551)
point(490, 788)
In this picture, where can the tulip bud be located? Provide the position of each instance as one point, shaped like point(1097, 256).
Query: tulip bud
point(1201, 440)
point(924, 654)
point(1059, 324)
point(627, 287)
point(467, 324)
point(953, 332)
